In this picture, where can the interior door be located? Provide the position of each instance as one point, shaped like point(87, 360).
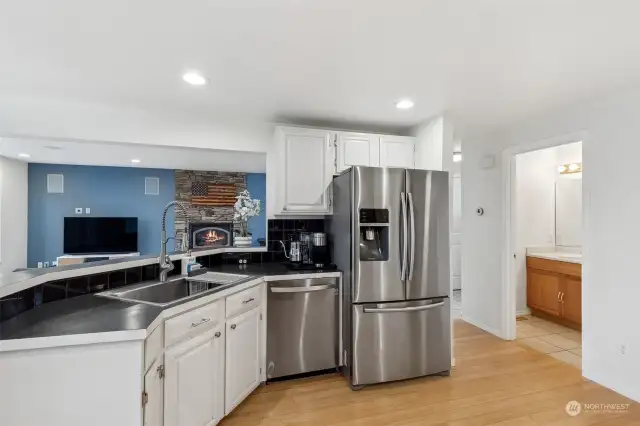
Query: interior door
point(242, 358)
point(381, 280)
point(429, 252)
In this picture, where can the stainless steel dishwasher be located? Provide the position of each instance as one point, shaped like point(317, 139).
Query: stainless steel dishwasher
point(302, 326)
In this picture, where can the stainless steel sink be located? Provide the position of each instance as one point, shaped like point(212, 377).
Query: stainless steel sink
point(175, 291)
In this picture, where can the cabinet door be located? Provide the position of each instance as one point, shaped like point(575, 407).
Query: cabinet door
point(543, 291)
point(305, 170)
point(572, 299)
point(242, 357)
point(356, 149)
point(194, 381)
point(153, 408)
point(397, 151)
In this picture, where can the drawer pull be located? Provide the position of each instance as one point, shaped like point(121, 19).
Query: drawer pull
point(248, 300)
point(233, 326)
point(202, 321)
point(218, 334)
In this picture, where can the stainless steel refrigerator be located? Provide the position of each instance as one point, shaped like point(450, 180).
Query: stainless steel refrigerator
point(390, 233)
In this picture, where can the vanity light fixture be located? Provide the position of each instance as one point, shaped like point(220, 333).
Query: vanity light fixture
point(571, 168)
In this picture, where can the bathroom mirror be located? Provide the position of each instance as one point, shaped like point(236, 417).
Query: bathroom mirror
point(569, 211)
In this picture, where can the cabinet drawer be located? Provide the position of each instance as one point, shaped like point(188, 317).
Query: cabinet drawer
point(243, 301)
point(193, 322)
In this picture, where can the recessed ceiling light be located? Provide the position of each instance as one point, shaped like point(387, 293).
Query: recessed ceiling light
point(405, 104)
point(135, 161)
point(24, 155)
point(194, 78)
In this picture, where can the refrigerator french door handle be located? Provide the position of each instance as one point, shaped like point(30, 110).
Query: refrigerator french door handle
point(412, 250)
point(408, 309)
point(404, 247)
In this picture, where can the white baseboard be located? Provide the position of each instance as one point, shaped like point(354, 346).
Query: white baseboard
point(522, 312)
point(482, 326)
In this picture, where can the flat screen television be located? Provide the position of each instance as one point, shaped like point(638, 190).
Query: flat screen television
point(100, 235)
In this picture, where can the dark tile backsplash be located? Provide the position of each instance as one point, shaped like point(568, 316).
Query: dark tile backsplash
point(287, 230)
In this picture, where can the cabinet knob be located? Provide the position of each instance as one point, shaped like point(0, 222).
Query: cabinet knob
point(233, 326)
point(218, 334)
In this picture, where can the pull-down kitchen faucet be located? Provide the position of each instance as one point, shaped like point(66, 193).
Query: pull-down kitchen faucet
point(166, 265)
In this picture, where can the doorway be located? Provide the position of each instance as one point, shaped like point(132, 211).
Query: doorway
point(544, 249)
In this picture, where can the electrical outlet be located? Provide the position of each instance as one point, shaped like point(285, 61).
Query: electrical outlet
point(87, 210)
point(40, 264)
point(78, 210)
point(46, 264)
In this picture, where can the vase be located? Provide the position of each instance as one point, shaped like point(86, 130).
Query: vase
point(242, 241)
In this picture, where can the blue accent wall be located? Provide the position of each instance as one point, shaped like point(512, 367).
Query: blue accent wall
point(257, 187)
point(107, 191)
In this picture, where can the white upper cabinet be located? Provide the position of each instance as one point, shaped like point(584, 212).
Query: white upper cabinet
point(242, 357)
point(301, 163)
point(356, 149)
point(397, 151)
point(194, 381)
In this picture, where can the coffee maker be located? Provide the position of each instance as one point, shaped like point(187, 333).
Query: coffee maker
point(314, 252)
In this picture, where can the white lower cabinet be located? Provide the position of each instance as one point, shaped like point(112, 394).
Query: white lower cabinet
point(194, 381)
point(153, 391)
point(242, 357)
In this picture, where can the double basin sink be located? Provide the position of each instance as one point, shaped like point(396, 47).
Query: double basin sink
point(177, 290)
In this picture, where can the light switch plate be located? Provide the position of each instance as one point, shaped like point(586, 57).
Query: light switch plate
point(87, 210)
point(78, 210)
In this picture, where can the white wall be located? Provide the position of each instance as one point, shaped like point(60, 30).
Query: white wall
point(95, 122)
point(609, 130)
point(13, 215)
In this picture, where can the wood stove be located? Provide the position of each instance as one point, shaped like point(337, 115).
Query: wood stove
point(210, 234)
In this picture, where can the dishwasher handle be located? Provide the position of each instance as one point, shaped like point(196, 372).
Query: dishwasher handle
point(302, 289)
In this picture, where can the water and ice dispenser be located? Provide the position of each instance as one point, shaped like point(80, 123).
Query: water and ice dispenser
point(374, 235)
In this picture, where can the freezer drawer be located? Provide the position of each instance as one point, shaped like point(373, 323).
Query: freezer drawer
point(402, 340)
point(302, 326)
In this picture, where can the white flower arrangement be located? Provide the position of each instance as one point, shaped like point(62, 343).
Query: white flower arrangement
point(244, 209)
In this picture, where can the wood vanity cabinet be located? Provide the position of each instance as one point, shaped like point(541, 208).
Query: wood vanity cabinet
point(554, 290)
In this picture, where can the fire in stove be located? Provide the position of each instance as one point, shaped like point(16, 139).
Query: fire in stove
point(211, 236)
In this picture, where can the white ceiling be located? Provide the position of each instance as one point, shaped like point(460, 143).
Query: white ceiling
point(112, 154)
point(488, 62)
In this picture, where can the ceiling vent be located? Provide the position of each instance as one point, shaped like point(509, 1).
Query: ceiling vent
point(55, 184)
point(151, 186)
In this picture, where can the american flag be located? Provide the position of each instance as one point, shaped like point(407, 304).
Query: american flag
point(214, 195)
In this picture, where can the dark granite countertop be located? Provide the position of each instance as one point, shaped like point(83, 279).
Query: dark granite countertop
point(92, 314)
point(79, 315)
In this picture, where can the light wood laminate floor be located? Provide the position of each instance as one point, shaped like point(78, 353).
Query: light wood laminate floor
point(495, 382)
